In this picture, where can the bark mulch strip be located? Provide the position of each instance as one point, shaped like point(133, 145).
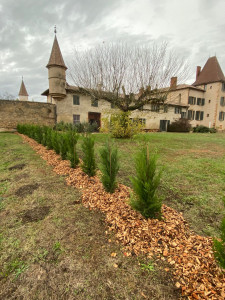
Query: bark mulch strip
point(189, 255)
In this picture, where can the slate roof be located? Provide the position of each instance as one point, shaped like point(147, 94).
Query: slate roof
point(210, 73)
point(23, 91)
point(56, 58)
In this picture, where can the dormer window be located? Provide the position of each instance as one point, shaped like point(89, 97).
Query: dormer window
point(205, 87)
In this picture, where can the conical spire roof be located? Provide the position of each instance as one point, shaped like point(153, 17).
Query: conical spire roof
point(23, 91)
point(56, 58)
point(210, 73)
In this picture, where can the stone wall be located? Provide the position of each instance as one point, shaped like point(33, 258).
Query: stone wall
point(14, 112)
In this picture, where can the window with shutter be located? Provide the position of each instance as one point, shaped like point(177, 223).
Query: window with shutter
point(223, 86)
point(155, 107)
point(221, 116)
point(76, 100)
point(197, 115)
point(189, 114)
point(222, 101)
point(177, 110)
point(203, 101)
point(76, 119)
point(94, 103)
point(165, 108)
point(199, 100)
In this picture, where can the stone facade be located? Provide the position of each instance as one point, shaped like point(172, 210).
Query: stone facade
point(203, 102)
point(211, 108)
point(206, 112)
point(70, 112)
point(14, 112)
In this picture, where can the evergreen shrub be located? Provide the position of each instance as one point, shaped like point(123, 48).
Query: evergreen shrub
point(145, 184)
point(84, 127)
point(55, 141)
point(204, 129)
point(109, 166)
point(219, 245)
point(72, 152)
point(63, 145)
point(181, 125)
point(89, 165)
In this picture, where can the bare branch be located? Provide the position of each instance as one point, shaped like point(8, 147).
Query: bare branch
point(127, 76)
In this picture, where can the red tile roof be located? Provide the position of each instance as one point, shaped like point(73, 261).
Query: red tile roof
point(23, 91)
point(56, 58)
point(210, 73)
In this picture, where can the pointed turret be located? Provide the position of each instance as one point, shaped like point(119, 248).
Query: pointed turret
point(23, 95)
point(56, 58)
point(56, 72)
point(210, 73)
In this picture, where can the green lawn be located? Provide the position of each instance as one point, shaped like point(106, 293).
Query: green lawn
point(193, 180)
point(52, 247)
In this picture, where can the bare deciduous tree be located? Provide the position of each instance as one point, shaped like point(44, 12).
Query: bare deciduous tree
point(126, 76)
point(6, 96)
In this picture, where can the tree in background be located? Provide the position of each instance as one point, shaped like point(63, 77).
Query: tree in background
point(127, 76)
point(6, 96)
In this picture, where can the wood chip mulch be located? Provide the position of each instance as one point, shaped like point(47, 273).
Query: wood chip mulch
point(189, 256)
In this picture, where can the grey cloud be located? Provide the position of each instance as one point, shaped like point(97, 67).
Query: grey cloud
point(83, 23)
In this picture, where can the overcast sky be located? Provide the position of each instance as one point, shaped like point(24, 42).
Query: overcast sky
point(196, 28)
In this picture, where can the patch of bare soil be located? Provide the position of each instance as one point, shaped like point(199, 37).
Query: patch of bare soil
point(3, 180)
point(26, 190)
point(17, 167)
point(35, 214)
point(21, 176)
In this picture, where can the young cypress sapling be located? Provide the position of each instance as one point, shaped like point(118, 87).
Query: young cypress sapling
point(55, 141)
point(109, 166)
point(89, 165)
point(63, 145)
point(72, 152)
point(145, 185)
point(219, 245)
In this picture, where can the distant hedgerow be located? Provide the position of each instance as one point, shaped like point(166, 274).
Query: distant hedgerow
point(145, 184)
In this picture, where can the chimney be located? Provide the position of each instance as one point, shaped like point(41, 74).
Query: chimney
point(198, 70)
point(173, 82)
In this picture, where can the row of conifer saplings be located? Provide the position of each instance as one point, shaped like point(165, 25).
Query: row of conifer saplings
point(145, 182)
